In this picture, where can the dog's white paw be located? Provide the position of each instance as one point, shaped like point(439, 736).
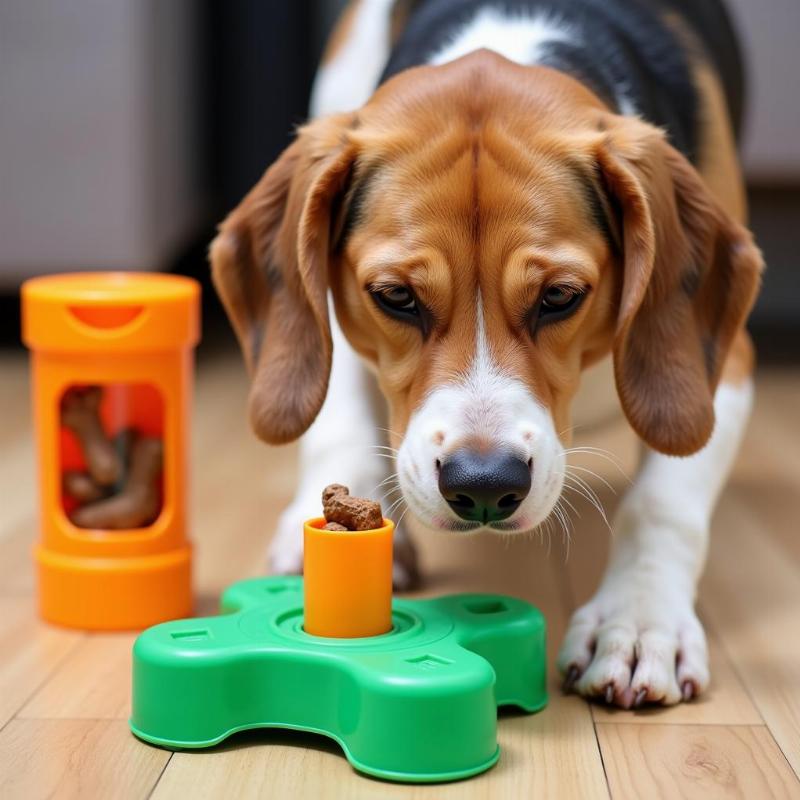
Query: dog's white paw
point(629, 648)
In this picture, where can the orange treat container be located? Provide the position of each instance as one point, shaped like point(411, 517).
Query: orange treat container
point(347, 581)
point(111, 365)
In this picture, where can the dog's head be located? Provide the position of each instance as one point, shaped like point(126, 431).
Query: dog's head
point(487, 230)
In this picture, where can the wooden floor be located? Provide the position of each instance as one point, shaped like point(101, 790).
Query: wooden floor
point(64, 695)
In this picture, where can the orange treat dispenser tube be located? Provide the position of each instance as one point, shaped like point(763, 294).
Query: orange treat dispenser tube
point(347, 581)
point(133, 333)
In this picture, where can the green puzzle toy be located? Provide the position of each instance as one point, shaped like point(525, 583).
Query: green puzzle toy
point(417, 704)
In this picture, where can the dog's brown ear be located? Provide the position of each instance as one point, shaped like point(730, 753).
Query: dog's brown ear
point(690, 275)
point(269, 265)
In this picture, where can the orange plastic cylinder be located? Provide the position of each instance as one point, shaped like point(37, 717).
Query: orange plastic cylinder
point(132, 335)
point(347, 581)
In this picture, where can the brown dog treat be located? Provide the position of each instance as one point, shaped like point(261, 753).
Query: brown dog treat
point(80, 412)
point(81, 486)
point(355, 513)
point(334, 526)
point(331, 491)
point(137, 505)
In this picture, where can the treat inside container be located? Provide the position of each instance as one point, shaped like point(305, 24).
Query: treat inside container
point(111, 442)
point(347, 580)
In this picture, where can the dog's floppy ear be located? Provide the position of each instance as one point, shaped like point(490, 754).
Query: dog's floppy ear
point(690, 275)
point(269, 265)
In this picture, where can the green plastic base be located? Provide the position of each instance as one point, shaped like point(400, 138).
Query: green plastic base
point(418, 704)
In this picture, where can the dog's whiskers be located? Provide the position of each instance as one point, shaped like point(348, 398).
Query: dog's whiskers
point(569, 503)
point(584, 490)
point(594, 475)
point(571, 429)
point(388, 431)
point(405, 511)
point(600, 453)
point(383, 447)
point(388, 492)
point(394, 505)
point(392, 477)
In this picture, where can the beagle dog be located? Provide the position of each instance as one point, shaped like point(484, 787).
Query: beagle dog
point(496, 195)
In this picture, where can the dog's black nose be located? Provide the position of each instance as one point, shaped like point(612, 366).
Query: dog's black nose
point(484, 487)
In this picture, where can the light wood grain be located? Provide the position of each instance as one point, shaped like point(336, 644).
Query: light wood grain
point(30, 651)
point(93, 682)
point(694, 761)
point(751, 592)
point(539, 759)
point(79, 759)
point(17, 479)
point(16, 562)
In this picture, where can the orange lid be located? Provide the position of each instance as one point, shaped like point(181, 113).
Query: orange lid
point(110, 311)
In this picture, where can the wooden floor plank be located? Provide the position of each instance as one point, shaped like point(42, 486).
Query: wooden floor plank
point(768, 477)
point(694, 761)
point(280, 765)
point(30, 652)
point(18, 482)
point(16, 557)
point(15, 399)
point(76, 759)
point(93, 682)
point(751, 593)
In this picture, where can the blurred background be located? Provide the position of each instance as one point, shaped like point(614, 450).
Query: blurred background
point(128, 128)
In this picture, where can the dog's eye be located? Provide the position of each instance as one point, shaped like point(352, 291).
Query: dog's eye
point(557, 303)
point(399, 301)
point(557, 298)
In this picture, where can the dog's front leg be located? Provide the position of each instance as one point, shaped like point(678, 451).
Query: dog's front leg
point(343, 445)
point(639, 639)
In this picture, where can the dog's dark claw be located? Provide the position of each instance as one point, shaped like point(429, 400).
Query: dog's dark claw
point(573, 673)
point(687, 690)
point(640, 696)
point(610, 693)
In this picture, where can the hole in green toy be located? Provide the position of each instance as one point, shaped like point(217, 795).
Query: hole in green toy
point(485, 606)
point(190, 636)
point(429, 661)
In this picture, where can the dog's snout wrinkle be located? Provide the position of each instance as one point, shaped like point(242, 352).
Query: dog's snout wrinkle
point(484, 487)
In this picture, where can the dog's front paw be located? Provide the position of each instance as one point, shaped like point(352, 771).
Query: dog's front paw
point(632, 648)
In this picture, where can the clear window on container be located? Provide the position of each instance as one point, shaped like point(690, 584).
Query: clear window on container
point(112, 455)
